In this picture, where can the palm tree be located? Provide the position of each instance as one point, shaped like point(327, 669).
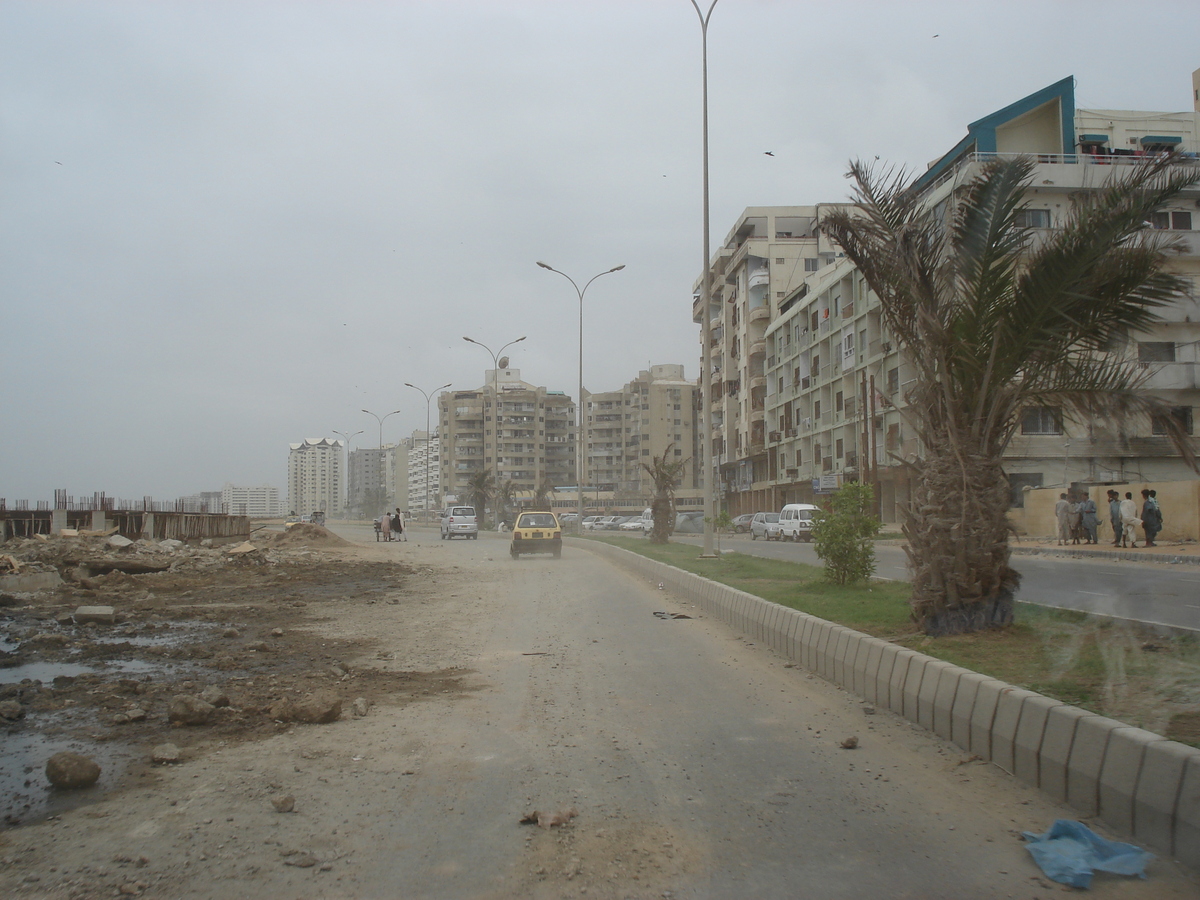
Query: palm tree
point(665, 476)
point(545, 490)
point(506, 495)
point(996, 324)
point(481, 487)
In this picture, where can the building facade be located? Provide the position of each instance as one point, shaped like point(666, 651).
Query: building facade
point(423, 475)
point(522, 433)
point(834, 381)
point(372, 480)
point(316, 477)
point(262, 502)
point(653, 415)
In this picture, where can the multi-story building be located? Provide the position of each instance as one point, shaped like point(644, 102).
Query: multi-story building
point(765, 257)
point(424, 472)
point(529, 440)
point(316, 480)
point(835, 382)
point(373, 480)
point(260, 502)
point(628, 427)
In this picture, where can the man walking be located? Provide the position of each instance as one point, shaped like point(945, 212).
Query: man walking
point(1062, 510)
point(1129, 521)
point(1087, 507)
point(1151, 517)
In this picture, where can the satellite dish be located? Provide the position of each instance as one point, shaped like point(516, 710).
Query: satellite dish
point(504, 362)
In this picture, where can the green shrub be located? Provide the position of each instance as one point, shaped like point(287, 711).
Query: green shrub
point(843, 533)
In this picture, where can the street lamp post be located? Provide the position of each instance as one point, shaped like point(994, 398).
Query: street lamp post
point(347, 438)
point(495, 398)
point(706, 297)
point(579, 428)
point(382, 481)
point(428, 396)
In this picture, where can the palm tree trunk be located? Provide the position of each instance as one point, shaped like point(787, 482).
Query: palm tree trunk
point(957, 530)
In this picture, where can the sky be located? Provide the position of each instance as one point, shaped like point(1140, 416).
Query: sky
point(230, 226)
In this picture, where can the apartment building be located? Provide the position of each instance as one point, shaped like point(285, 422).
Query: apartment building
point(423, 476)
point(523, 433)
point(835, 382)
point(260, 502)
point(649, 416)
point(316, 477)
point(764, 259)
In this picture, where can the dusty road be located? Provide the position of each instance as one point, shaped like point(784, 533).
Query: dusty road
point(698, 765)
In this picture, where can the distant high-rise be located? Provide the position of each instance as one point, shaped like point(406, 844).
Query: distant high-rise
point(316, 477)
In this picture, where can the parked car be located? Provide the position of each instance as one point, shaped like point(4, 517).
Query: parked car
point(764, 525)
point(689, 523)
point(605, 523)
point(647, 520)
point(796, 522)
point(742, 523)
point(589, 523)
point(568, 518)
point(631, 523)
point(459, 521)
point(536, 532)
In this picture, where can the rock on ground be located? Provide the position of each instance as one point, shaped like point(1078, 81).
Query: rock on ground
point(71, 770)
point(185, 710)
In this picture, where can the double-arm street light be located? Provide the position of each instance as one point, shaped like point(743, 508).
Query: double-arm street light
point(495, 399)
point(579, 428)
point(428, 396)
point(382, 479)
point(347, 438)
point(706, 316)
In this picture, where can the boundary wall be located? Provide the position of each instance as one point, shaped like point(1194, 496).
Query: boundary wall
point(1138, 783)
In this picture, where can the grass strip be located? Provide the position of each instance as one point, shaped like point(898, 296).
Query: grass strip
point(1114, 668)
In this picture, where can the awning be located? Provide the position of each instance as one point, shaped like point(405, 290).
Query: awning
point(1161, 139)
point(1093, 139)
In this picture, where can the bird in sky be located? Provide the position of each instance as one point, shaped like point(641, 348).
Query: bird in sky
point(768, 153)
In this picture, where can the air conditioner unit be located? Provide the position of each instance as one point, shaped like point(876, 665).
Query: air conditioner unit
point(808, 421)
point(887, 346)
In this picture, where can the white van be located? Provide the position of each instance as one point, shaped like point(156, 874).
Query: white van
point(459, 521)
point(796, 522)
point(647, 520)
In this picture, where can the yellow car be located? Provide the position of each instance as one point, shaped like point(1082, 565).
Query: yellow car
point(536, 532)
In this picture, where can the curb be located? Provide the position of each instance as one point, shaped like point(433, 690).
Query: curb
point(1172, 559)
point(1136, 782)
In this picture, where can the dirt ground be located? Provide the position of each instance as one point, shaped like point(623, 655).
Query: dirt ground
point(261, 631)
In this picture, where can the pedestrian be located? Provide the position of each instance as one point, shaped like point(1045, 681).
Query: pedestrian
point(1062, 510)
point(1129, 521)
point(385, 526)
point(399, 523)
point(1114, 516)
point(1087, 507)
point(1075, 519)
point(1151, 517)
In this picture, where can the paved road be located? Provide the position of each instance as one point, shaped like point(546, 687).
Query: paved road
point(701, 766)
point(1156, 593)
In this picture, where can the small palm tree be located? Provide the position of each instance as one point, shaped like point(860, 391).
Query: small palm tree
point(996, 325)
point(665, 476)
point(505, 500)
point(480, 489)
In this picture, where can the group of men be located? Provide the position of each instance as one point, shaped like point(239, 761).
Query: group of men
point(1078, 521)
point(389, 524)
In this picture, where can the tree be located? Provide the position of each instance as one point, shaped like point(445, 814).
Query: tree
point(545, 491)
point(506, 495)
point(665, 476)
point(843, 534)
point(481, 487)
point(997, 323)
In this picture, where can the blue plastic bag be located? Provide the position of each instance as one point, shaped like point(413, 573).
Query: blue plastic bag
point(1070, 852)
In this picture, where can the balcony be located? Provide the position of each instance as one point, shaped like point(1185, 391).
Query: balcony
point(1170, 376)
point(758, 381)
point(759, 347)
point(759, 278)
point(758, 415)
point(760, 313)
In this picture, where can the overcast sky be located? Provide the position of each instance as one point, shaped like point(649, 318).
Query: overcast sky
point(227, 226)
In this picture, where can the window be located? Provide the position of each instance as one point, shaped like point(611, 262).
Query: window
point(816, 409)
point(779, 261)
point(1156, 351)
point(1176, 221)
point(1032, 218)
point(811, 265)
point(1041, 420)
point(838, 403)
point(1181, 414)
point(893, 381)
point(1019, 482)
point(1181, 221)
point(838, 448)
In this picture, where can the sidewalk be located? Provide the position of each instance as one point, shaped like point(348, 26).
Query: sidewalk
point(1171, 552)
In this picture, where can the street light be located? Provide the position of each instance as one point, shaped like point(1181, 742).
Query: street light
point(348, 437)
point(579, 430)
point(382, 480)
point(706, 295)
point(428, 396)
point(495, 397)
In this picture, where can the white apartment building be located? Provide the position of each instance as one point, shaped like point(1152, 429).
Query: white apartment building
point(262, 502)
point(834, 381)
point(424, 472)
point(316, 477)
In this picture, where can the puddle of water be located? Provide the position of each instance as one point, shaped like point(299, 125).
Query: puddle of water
point(45, 672)
point(27, 796)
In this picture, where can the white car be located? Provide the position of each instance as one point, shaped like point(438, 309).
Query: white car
point(633, 523)
point(589, 523)
point(765, 525)
point(460, 521)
